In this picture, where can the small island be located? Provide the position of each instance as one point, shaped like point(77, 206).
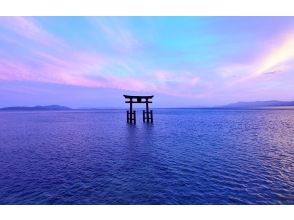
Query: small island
point(36, 108)
point(274, 104)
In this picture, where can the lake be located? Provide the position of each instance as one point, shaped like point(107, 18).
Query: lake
point(187, 156)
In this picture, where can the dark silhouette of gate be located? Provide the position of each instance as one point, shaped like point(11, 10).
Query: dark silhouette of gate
point(147, 114)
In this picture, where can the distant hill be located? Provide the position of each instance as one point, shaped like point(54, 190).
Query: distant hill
point(36, 108)
point(259, 104)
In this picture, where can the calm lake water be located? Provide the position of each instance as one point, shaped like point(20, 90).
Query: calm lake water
point(186, 157)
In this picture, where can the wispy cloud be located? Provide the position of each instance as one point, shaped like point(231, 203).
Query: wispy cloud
point(117, 33)
point(30, 29)
point(86, 70)
point(277, 58)
point(90, 69)
point(183, 79)
point(117, 53)
point(79, 69)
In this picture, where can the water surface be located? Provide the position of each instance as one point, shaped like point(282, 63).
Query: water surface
point(188, 156)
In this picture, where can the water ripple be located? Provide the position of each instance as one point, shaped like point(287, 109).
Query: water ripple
point(185, 157)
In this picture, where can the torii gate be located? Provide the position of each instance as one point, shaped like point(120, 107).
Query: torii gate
point(147, 114)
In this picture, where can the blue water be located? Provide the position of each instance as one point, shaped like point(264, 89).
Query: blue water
point(186, 157)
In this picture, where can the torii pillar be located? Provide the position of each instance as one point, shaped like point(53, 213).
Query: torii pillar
point(147, 114)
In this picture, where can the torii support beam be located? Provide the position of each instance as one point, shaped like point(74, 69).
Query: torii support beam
point(147, 114)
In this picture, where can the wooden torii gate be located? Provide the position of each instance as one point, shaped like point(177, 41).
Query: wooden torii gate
point(147, 114)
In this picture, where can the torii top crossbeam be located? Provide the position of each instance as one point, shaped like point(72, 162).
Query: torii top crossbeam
point(138, 98)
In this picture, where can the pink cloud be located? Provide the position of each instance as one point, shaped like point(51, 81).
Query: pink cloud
point(84, 68)
point(13, 70)
point(79, 69)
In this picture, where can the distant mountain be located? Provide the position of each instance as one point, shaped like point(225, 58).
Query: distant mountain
point(259, 104)
point(36, 108)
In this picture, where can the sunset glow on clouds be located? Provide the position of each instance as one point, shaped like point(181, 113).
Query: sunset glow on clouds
point(279, 56)
point(197, 60)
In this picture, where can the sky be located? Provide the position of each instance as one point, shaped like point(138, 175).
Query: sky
point(183, 61)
